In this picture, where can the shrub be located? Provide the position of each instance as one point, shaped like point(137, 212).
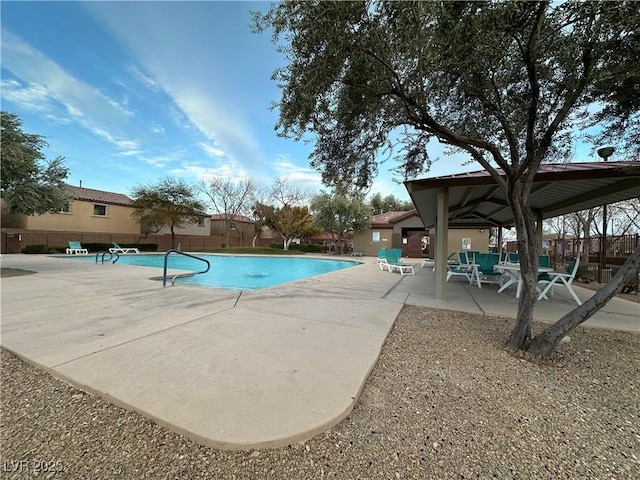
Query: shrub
point(632, 285)
point(35, 249)
point(586, 272)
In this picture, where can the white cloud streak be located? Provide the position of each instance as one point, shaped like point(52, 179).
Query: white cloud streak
point(185, 70)
point(43, 86)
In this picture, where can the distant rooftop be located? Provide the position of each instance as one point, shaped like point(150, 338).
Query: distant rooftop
point(100, 196)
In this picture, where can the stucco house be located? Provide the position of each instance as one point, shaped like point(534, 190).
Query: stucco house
point(405, 230)
point(92, 216)
point(90, 211)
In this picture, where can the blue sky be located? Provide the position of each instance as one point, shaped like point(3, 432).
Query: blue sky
point(130, 92)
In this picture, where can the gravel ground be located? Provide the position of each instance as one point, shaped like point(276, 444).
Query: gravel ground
point(445, 400)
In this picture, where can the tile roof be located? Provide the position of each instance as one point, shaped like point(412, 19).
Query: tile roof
point(100, 196)
point(237, 218)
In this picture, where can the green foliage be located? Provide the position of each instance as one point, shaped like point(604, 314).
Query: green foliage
point(29, 184)
point(632, 285)
point(507, 83)
point(35, 249)
point(340, 213)
point(504, 82)
point(308, 247)
point(273, 249)
point(389, 203)
point(288, 221)
point(586, 272)
point(170, 203)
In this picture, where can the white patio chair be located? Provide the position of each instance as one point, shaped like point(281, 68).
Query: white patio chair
point(561, 279)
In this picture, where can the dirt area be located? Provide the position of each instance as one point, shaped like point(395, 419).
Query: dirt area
point(595, 286)
point(14, 272)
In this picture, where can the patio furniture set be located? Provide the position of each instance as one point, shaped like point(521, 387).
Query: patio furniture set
point(504, 270)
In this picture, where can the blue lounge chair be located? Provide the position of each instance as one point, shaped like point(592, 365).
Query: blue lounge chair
point(118, 249)
point(394, 262)
point(75, 248)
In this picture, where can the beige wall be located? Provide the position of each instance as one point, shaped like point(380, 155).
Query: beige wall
point(79, 219)
point(191, 229)
point(478, 240)
point(363, 241)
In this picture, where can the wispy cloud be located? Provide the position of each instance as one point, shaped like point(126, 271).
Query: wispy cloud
point(285, 167)
point(41, 85)
point(188, 70)
point(211, 150)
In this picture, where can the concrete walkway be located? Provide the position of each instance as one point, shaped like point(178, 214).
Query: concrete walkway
point(229, 369)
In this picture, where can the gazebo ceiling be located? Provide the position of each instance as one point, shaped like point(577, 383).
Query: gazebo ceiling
point(476, 200)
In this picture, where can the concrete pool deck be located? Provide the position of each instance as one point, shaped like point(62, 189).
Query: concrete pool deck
point(229, 369)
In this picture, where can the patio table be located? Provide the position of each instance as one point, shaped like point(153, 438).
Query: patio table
point(513, 272)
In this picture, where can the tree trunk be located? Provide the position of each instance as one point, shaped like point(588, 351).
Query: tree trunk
point(173, 238)
point(528, 255)
point(545, 343)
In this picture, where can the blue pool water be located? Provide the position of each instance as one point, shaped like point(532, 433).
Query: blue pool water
point(237, 272)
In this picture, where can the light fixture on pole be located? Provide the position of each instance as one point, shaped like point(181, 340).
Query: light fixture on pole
point(604, 153)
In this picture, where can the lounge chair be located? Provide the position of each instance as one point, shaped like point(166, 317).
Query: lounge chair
point(381, 257)
point(561, 279)
point(75, 248)
point(483, 269)
point(118, 249)
point(463, 268)
point(394, 262)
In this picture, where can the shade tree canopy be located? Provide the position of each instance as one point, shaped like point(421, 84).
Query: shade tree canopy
point(509, 84)
point(341, 214)
point(29, 183)
point(169, 202)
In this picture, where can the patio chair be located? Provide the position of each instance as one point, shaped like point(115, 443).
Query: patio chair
point(118, 249)
point(464, 268)
point(484, 271)
point(561, 279)
point(75, 248)
point(394, 262)
point(381, 257)
point(544, 261)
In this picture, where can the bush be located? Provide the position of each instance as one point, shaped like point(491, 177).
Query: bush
point(631, 286)
point(586, 272)
point(143, 247)
point(35, 249)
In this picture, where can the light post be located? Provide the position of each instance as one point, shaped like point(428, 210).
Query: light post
point(604, 153)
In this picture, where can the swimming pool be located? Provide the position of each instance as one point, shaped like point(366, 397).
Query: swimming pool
point(237, 272)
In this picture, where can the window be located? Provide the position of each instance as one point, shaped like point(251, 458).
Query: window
point(66, 208)
point(201, 222)
point(100, 210)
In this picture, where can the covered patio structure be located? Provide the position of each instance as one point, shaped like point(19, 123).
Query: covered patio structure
point(476, 200)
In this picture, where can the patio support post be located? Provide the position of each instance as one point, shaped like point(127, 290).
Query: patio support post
point(539, 232)
point(442, 243)
point(604, 153)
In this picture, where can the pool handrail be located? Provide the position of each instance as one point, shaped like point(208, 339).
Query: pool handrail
point(111, 254)
point(166, 258)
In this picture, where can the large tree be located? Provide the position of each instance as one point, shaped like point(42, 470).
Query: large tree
point(504, 82)
point(231, 199)
point(288, 221)
point(340, 213)
point(388, 203)
point(29, 183)
point(168, 203)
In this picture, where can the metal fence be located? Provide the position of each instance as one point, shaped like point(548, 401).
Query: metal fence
point(601, 255)
point(14, 240)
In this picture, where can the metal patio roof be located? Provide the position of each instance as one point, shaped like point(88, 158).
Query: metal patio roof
point(476, 200)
